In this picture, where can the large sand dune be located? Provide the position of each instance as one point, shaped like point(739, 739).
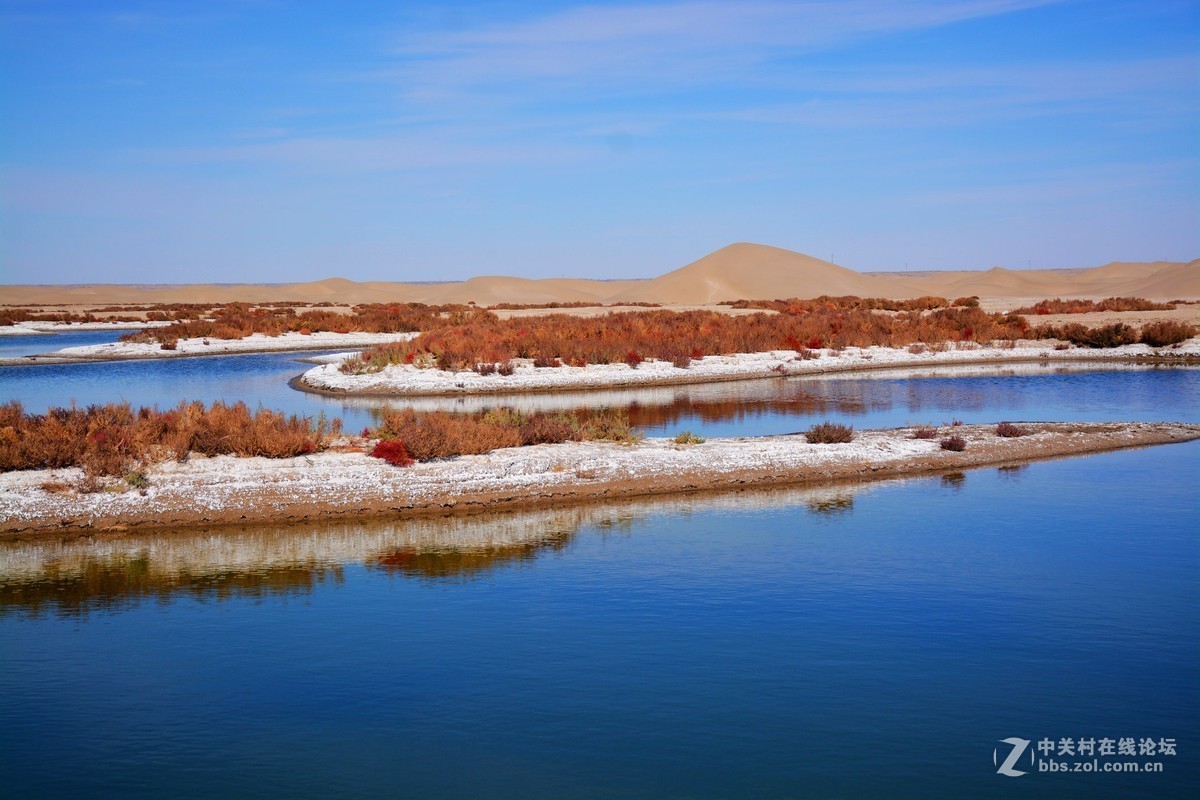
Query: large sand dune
point(754, 271)
point(739, 271)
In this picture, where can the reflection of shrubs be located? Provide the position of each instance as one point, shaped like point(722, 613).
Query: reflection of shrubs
point(829, 433)
point(1010, 431)
point(955, 444)
point(1166, 332)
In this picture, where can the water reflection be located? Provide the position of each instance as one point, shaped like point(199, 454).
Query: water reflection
point(878, 399)
point(1012, 472)
point(78, 576)
point(954, 481)
point(885, 398)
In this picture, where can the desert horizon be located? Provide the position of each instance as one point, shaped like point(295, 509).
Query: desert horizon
point(740, 271)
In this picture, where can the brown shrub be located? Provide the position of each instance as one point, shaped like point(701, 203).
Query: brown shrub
point(1167, 332)
point(113, 439)
point(670, 336)
point(1010, 431)
point(1105, 336)
point(925, 433)
point(954, 443)
point(1060, 306)
point(239, 320)
point(829, 433)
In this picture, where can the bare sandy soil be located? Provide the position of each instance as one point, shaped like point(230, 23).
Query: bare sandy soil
point(342, 484)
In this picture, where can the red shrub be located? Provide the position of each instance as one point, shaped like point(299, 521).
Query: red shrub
point(954, 443)
point(394, 452)
point(829, 433)
point(1010, 431)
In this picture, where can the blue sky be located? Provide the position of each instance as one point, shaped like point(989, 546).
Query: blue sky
point(267, 140)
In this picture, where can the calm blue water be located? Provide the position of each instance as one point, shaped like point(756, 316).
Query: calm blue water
point(254, 378)
point(871, 642)
point(746, 408)
point(36, 344)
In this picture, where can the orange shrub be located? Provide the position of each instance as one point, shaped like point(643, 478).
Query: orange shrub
point(113, 438)
point(1167, 332)
point(1060, 306)
point(239, 320)
point(678, 336)
point(441, 434)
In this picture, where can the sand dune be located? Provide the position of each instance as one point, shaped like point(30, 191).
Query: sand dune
point(739, 271)
point(1156, 280)
point(753, 271)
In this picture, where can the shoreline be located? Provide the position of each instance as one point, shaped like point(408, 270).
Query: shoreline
point(192, 348)
point(347, 485)
point(407, 381)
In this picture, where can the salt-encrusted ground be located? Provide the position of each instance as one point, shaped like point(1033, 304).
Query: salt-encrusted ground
point(399, 379)
point(35, 328)
point(332, 484)
point(255, 343)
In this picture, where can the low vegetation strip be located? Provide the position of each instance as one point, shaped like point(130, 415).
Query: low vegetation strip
point(116, 440)
point(440, 434)
point(677, 337)
point(1060, 306)
point(239, 320)
point(533, 375)
point(345, 484)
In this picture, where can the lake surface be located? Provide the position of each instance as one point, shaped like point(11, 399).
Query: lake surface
point(1029, 392)
point(18, 345)
point(871, 641)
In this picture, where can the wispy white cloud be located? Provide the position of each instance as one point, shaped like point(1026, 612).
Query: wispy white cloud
point(688, 42)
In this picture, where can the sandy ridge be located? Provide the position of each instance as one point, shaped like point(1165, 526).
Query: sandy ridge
point(339, 484)
point(740, 271)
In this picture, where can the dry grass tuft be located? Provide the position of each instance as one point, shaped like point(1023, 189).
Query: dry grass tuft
point(829, 433)
point(955, 444)
point(1010, 431)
